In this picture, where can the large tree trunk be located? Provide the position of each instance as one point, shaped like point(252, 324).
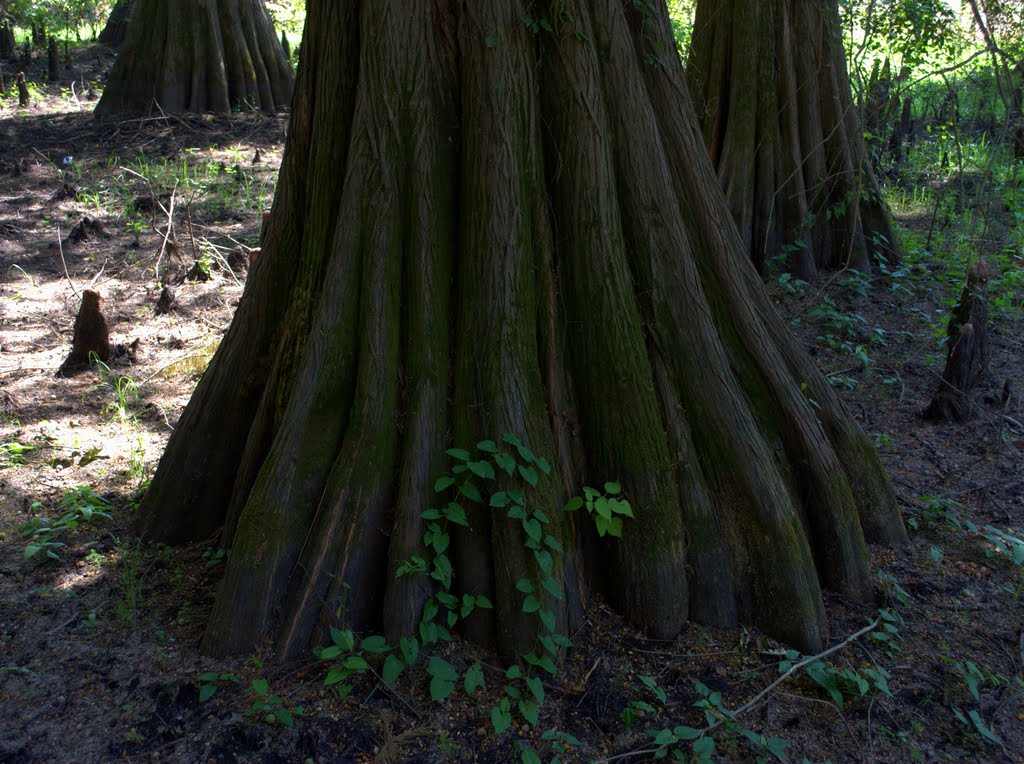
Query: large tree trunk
point(114, 30)
point(197, 55)
point(481, 230)
point(769, 82)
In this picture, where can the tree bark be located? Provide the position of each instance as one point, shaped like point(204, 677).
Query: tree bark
point(114, 30)
point(769, 82)
point(200, 56)
point(480, 229)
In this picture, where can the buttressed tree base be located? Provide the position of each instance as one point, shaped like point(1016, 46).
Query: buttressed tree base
point(486, 226)
point(769, 82)
point(198, 56)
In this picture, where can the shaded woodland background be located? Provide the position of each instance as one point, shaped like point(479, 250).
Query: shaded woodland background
point(161, 215)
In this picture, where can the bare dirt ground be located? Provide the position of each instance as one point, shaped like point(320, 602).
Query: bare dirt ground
point(99, 654)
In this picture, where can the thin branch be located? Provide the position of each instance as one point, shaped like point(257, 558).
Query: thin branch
point(60, 246)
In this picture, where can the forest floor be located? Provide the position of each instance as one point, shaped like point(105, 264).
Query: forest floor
point(99, 644)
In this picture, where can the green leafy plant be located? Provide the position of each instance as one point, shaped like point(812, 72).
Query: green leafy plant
point(606, 509)
point(955, 515)
point(79, 505)
point(210, 681)
point(271, 708)
point(521, 471)
point(12, 453)
point(975, 678)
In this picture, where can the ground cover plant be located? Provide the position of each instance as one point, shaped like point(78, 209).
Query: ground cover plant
point(101, 628)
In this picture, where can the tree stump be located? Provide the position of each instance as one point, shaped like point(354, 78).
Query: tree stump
point(91, 334)
point(22, 90)
point(968, 351)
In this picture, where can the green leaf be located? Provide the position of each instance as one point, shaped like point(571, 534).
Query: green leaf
point(704, 749)
point(499, 500)
point(482, 470)
point(573, 504)
point(393, 667)
point(441, 688)
point(533, 529)
point(548, 619)
point(536, 688)
point(552, 587)
point(336, 675)
point(612, 488)
point(454, 513)
point(663, 737)
point(474, 679)
point(443, 482)
point(375, 644)
point(356, 663)
point(483, 602)
point(505, 462)
point(621, 507)
point(553, 543)
point(529, 474)
point(603, 508)
point(491, 39)
point(284, 716)
point(979, 724)
point(544, 465)
point(529, 710)
point(487, 446)
point(471, 492)
point(531, 604)
point(548, 665)
point(332, 652)
point(410, 647)
point(513, 672)
point(529, 756)
point(544, 561)
point(260, 686)
point(206, 692)
point(501, 717)
point(525, 586)
point(431, 514)
point(439, 667)
point(209, 676)
point(458, 454)
point(683, 732)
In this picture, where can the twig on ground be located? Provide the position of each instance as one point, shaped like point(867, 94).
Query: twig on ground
point(60, 246)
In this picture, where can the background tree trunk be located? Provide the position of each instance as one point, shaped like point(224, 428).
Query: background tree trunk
point(769, 82)
point(197, 55)
point(480, 229)
point(114, 31)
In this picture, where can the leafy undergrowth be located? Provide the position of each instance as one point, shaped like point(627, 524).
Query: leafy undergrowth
point(100, 631)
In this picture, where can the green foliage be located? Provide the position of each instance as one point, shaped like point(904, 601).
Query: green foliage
point(215, 556)
point(606, 509)
point(975, 679)
point(271, 708)
point(955, 515)
point(79, 505)
point(519, 471)
point(721, 723)
point(210, 681)
point(12, 453)
point(123, 389)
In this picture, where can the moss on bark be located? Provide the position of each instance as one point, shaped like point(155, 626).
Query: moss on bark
point(521, 233)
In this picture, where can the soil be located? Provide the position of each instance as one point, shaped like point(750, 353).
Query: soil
point(99, 649)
